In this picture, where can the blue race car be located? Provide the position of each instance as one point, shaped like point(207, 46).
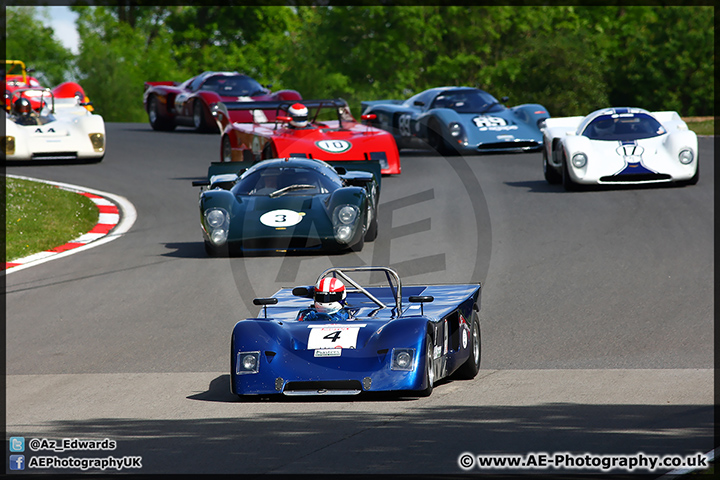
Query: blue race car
point(389, 338)
point(455, 120)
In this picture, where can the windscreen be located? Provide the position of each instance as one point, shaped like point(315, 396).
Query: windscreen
point(276, 181)
point(467, 101)
point(624, 126)
point(233, 86)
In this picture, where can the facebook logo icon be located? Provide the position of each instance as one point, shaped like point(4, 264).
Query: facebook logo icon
point(17, 462)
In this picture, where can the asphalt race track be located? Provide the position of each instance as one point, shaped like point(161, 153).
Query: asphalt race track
point(597, 322)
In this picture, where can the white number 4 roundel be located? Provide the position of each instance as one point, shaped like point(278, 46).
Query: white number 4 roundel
point(334, 146)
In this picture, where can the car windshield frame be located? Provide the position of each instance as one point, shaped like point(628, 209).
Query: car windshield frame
point(467, 101)
point(623, 127)
point(281, 180)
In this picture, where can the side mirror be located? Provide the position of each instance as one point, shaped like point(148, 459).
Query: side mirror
point(418, 103)
point(305, 292)
point(421, 299)
point(340, 170)
point(369, 116)
point(283, 119)
point(265, 302)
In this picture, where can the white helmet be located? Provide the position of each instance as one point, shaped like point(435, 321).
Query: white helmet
point(298, 115)
point(329, 295)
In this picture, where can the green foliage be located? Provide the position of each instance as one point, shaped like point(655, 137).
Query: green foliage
point(571, 59)
point(28, 40)
point(116, 59)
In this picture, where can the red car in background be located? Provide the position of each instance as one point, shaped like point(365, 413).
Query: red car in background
point(331, 134)
point(169, 104)
point(16, 77)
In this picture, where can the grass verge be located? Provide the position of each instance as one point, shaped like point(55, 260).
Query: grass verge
point(39, 216)
point(701, 125)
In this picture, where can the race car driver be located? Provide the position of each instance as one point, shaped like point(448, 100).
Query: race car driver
point(298, 115)
point(329, 305)
point(23, 113)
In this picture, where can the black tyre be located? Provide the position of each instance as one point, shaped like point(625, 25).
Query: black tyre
point(157, 121)
point(199, 121)
point(437, 142)
point(551, 175)
point(429, 370)
point(226, 150)
point(372, 230)
point(470, 368)
point(567, 181)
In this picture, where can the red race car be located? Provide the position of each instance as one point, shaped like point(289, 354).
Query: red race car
point(16, 77)
point(189, 103)
point(298, 129)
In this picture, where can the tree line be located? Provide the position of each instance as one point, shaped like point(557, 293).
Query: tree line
point(571, 59)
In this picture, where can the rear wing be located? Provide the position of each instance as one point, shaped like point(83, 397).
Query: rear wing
point(371, 103)
point(221, 110)
point(155, 84)
point(285, 104)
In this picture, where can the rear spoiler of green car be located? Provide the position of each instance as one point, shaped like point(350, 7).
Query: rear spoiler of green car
point(371, 166)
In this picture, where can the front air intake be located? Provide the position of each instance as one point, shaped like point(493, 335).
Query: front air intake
point(332, 387)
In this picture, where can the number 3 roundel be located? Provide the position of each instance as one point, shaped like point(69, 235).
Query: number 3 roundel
point(280, 218)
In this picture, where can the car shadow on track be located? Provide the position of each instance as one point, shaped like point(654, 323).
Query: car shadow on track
point(197, 250)
point(219, 391)
point(541, 186)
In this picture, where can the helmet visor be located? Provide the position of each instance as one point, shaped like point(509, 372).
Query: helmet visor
point(328, 297)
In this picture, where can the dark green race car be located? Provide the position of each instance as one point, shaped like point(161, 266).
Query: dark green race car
point(289, 205)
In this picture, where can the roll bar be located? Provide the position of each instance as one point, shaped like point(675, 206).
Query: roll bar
point(390, 274)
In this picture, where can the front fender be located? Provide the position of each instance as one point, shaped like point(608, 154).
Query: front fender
point(287, 95)
point(531, 113)
point(441, 117)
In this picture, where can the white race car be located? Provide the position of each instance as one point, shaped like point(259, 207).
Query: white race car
point(62, 129)
point(615, 146)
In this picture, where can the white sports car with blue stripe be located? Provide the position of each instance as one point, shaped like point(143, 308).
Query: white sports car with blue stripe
point(615, 146)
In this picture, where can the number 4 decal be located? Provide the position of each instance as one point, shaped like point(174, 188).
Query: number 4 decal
point(332, 336)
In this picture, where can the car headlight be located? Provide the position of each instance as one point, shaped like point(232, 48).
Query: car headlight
point(402, 359)
point(98, 141)
point(345, 222)
point(9, 145)
point(215, 218)
point(218, 236)
point(247, 362)
point(579, 160)
point(455, 129)
point(343, 233)
point(686, 156)
point(347, 214)
point(217, 221)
